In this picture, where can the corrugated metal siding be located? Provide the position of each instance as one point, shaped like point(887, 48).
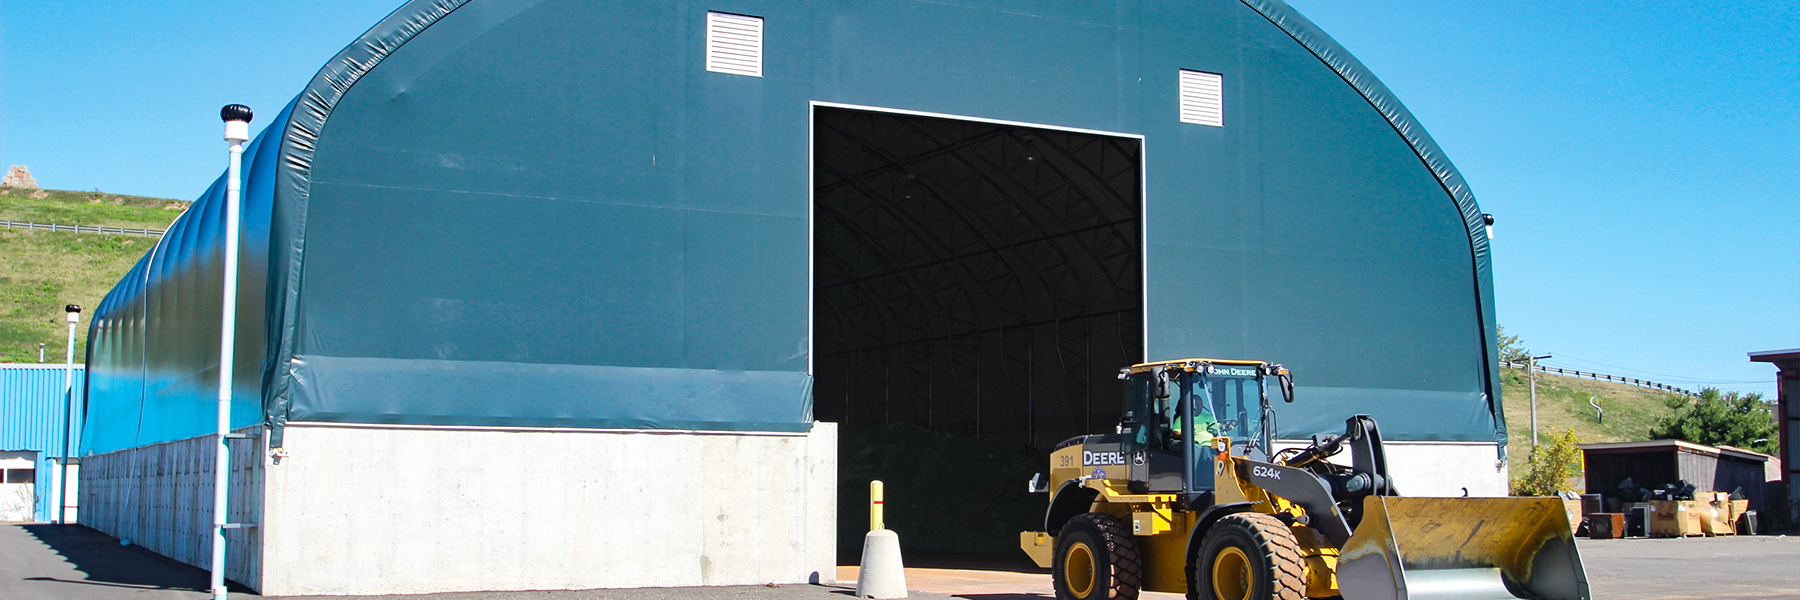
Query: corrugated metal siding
point(31, 418)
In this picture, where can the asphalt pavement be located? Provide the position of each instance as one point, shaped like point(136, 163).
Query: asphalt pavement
point(1730, 567)
point(57, 562)
point(72, 562)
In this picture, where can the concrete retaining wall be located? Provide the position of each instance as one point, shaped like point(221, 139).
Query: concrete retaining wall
point(384, 510)
point(405, 510)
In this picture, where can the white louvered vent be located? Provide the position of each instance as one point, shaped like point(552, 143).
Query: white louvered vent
point(734, 44)
point(1202, 98)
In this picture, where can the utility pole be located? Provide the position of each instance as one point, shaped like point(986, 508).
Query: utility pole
point(1531, 376)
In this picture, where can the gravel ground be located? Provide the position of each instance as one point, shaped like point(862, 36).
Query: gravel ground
point(51, 562)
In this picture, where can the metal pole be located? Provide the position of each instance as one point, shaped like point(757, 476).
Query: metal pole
point(1185, 398)
point(1531, 376)
point(62, 480)
point(237, 131)
point(875, 499)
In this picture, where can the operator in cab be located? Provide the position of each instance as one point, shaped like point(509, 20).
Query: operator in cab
point(1206, 426)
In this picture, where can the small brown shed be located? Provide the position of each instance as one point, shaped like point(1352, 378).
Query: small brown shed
point(1652, 464)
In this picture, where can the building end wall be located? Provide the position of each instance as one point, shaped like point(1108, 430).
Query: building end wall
point(1445, 469)
point(407, 510)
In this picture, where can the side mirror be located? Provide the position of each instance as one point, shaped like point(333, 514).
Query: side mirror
point(1162, 385)
point(1287, 387)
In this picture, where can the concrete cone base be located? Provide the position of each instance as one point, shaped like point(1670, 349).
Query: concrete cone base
point(882, 575)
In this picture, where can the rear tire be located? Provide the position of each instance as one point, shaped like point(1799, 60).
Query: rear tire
point(1247, 556)
point(1096, 559)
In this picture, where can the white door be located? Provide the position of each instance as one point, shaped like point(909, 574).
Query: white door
point(18, 486)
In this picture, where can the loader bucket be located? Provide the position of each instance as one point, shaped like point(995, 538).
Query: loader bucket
point(1463, 549)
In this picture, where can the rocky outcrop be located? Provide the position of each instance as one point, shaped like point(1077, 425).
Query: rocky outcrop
point(19, 177)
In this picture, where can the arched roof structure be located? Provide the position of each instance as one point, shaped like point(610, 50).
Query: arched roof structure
point(552, 213)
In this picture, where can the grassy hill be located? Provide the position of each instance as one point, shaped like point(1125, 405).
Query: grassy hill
point(45, 270)
point(1563, 404)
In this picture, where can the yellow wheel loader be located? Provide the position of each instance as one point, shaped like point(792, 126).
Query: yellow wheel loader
point(1190, 496)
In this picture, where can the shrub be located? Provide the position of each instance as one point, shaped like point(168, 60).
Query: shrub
point(1551, 466)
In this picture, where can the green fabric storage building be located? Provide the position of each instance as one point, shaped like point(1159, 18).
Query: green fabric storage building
point(747, 216)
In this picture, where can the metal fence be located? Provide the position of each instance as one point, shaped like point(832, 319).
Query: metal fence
point(1603, 377)
point(81, 228)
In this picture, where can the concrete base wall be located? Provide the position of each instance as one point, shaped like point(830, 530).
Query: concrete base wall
point(160, 497)
point(408, 510)
point(1440, 469)
point(1445, 468)
point(405, 510)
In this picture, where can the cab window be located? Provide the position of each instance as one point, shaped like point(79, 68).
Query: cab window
point(1138, 423)
point(1237, 403)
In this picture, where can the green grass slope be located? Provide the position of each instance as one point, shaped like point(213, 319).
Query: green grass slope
point(1563, 404)
point(40, 271)
point(91, 209)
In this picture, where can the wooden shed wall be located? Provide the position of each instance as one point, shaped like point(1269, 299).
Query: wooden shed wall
point(1654, 468)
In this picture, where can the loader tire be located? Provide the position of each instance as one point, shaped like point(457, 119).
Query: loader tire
point(1096, 559)
point(1247, 556)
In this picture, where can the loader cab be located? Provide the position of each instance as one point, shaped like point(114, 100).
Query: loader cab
point(1175, 410)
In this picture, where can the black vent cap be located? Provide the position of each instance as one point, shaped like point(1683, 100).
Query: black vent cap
point(235, 112)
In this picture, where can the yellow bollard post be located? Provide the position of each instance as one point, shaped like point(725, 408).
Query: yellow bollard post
point(875, 523)
point(883, 573)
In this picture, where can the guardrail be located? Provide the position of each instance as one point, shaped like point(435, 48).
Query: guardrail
point(81, 228)
point(1603, 377)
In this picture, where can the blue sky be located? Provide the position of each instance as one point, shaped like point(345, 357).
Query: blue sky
point(1642, 159)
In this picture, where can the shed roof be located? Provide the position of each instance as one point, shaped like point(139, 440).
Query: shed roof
point(1785, 359)
point(1679, 445)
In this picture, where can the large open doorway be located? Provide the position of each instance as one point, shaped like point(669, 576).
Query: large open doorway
point(976, 288)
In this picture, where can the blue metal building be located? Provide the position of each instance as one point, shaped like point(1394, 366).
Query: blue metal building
point(32, 402)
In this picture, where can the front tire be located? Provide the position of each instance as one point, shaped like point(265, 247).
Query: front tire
point(1096, 558)
point(1247, 556)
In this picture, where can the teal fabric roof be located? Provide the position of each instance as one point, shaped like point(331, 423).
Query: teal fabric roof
point(548, 212)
